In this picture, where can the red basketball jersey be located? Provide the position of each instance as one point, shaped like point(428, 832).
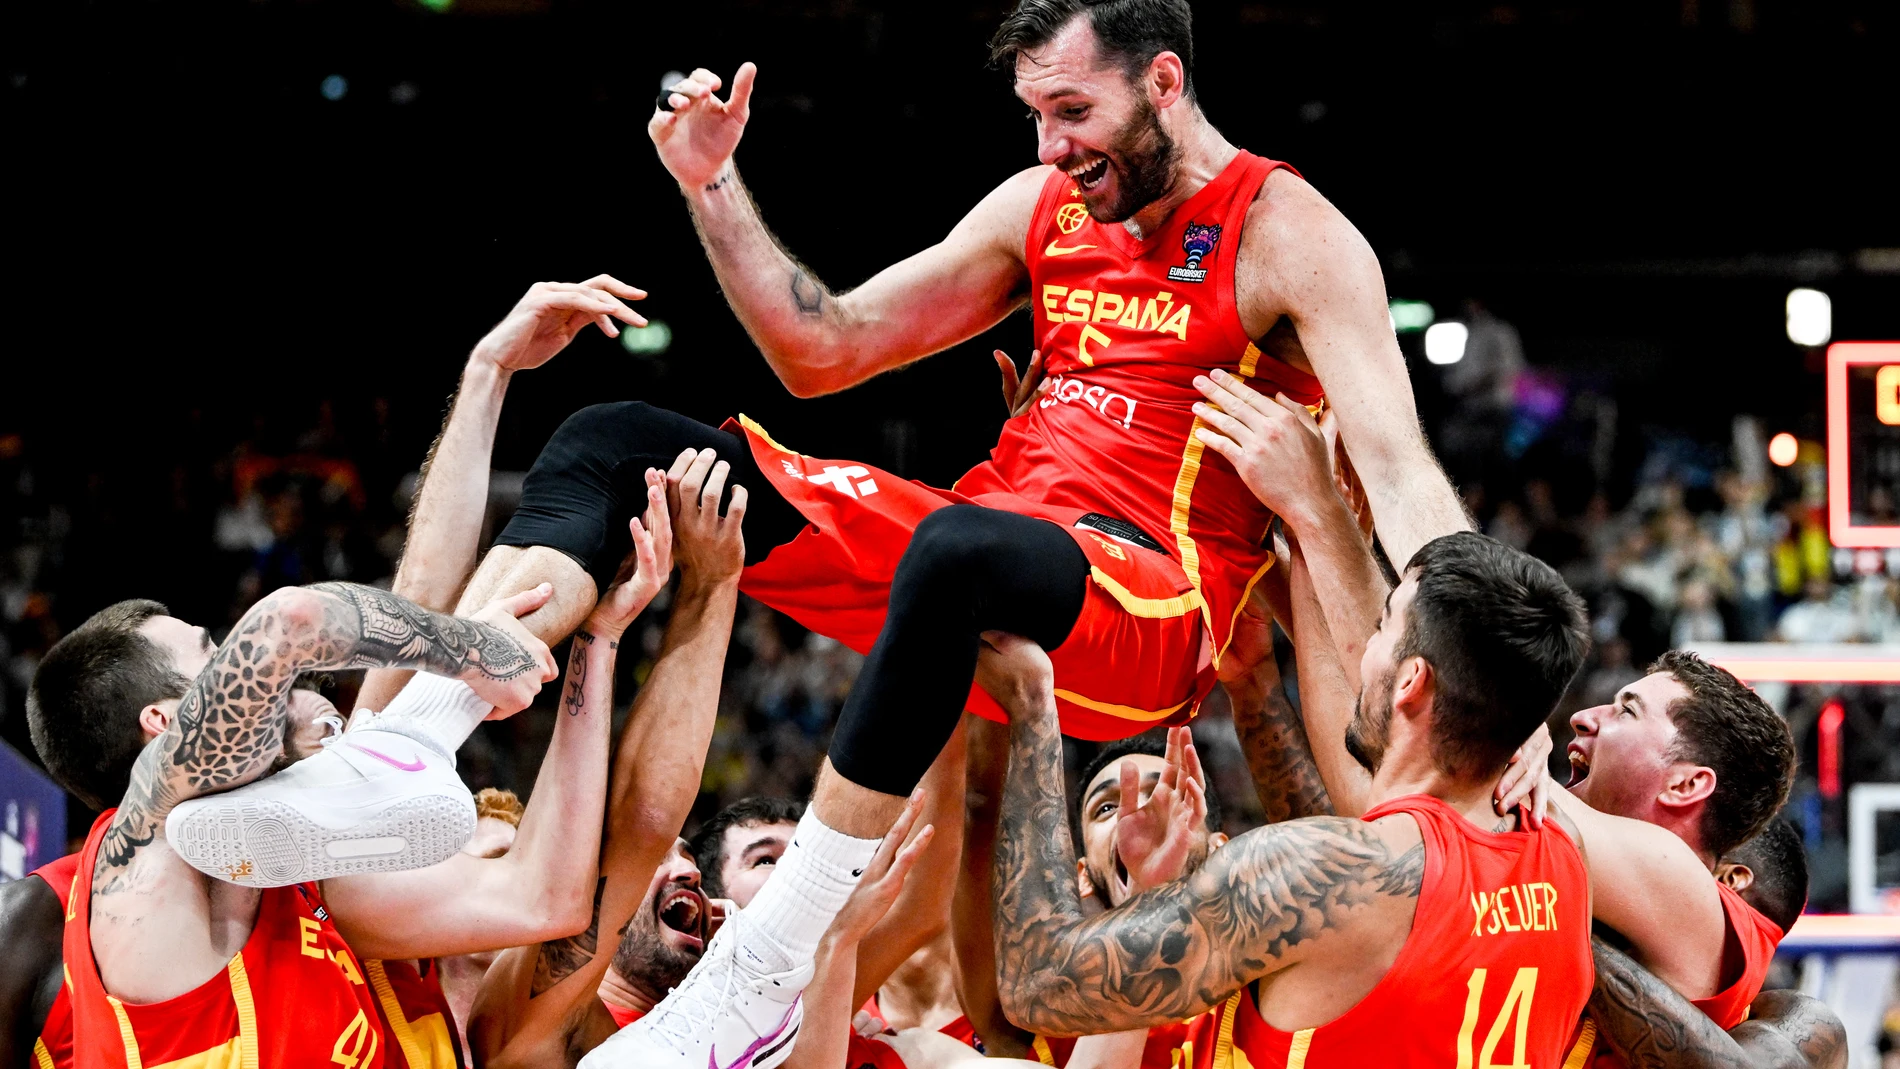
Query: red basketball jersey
point(1494, 973)
point(54, 1047)
point(293, 996)
point(1748, 952)
point(415, 1014)
point(1124, 326)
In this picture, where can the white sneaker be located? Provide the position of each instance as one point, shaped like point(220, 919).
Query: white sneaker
point(731, 1012)
point(370, 801)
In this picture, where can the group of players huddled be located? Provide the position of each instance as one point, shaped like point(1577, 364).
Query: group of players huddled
point(1214, 436)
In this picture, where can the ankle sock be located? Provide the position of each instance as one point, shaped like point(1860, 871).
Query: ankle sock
point(438, 712)
point(809, 886)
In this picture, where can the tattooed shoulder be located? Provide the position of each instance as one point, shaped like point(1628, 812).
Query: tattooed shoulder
point(561, 958)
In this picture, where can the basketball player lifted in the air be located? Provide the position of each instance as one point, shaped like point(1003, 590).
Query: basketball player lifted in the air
point(1149, 251)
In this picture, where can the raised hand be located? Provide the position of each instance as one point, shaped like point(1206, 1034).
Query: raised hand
point(1154, 838)
point(646, 569)
point(508, 664)
point(697, 137)
point(710, 547)
point(549, 315)
point(884, 878)
point(1021, 392)
point(1274, 443)
point(1526, 782)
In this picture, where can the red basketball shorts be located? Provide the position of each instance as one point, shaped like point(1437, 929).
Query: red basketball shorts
point(1138, 656)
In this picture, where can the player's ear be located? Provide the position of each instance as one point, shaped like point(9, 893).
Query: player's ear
point(156, 717)
point(1412, 686)
point(1216, 841)
point(1737, 876)
point(1084, 887)
point(1166, 81)
point(1687, 784)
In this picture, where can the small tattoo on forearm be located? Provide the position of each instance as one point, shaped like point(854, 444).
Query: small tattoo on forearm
point(807, 295)
point(719, 182)
point(577, 673)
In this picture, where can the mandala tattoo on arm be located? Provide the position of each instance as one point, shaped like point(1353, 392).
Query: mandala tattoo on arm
point(1273, 738)
point(1178, 949)
point(230, 724)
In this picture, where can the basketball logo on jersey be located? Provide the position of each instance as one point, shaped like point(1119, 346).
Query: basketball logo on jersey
point(1070, 217)
point(1197, 241)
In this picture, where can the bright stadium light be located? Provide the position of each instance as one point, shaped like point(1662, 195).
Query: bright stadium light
point(1445, 342)
point(648, 340)
point(1810, 317)
point(1409, 316)
point(1783, 450)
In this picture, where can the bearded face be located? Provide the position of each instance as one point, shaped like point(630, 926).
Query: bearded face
point(666, 936)
point(1371, 727)
point(1136, 168)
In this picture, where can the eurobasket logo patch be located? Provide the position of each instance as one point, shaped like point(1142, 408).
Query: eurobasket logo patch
point(1198, 241)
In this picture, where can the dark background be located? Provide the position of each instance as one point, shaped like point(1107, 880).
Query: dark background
point(207, 259)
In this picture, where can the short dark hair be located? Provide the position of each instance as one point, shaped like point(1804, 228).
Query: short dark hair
point(1729, 728)
point(1130, 33)
point(1780, 865)
point(708, 844)
point(1504, 637)
point(83, 706)
point(1150, 743)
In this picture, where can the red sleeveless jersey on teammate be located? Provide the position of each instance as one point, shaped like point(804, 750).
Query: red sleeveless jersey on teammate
point(415, 1014)
point(293, 996)
point(1495, 971)
point(1174, 539)
point(1748, 952)
point(54, 1047)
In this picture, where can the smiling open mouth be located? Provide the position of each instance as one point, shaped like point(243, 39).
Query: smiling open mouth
point(684, 911)
point(1088, 176)
point(1579, 767)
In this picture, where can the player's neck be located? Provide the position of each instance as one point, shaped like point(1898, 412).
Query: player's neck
point(1401, 774)
point(617, 990)
point(1203, 155)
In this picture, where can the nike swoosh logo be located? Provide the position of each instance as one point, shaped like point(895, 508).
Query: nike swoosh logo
point(406, 766)
point(712, 1056)
point(1063, 250)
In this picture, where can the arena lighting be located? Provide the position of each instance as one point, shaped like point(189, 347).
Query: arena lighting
point(1841, 356)
point(1790, 662)
point(1410, 316)
point(334, 87)
point(1445, 342)
point(649, 340)
point(1810, 317)
point(1783, 450)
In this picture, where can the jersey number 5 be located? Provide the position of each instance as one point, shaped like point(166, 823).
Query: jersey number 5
point(1523, 989)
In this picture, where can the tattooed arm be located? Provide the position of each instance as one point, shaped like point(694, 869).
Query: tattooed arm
point(1257, 906)
point(1653, 1027)
point(1272, 736)
point(230, 724)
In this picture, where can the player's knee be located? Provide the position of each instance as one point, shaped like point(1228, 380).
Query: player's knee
point(614, 423)
point(951, 548)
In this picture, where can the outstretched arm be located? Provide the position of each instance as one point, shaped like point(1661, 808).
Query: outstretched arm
point(1272, 736)
point(543, 887)
point(819, 341)
point(1254, 908)
point(1653, 1027)
point(445, 523)
point(230, 725)
point(1325, 278)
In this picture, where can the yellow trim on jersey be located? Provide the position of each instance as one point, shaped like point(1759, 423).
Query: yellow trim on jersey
point(392, 1010)
point(1579, 1055)
point(1125, 712)
point(748, 423)
point(1224, 1039)
point(246, 1011)
point(41, 1055)
point(1146, 608)
point(1246, 592)
point(1043, 1053)
point(132, 1059)
point(72, 911)
point(226, 1055)
point(1296, 1050)
point(1181, 516)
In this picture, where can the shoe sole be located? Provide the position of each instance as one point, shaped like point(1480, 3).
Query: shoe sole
point(269, 844)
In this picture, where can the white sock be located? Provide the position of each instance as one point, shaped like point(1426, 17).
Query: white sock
point(808, 887)
point(438, 712)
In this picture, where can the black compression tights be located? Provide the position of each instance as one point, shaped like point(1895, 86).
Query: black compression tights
point(967, 570)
